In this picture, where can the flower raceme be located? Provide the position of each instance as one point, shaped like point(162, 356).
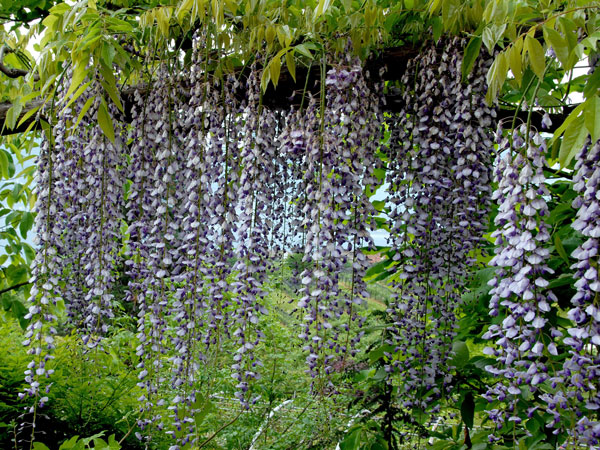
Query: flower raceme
point(439, 177)
point(213, 187)
point(195, 182)
point(520, 288)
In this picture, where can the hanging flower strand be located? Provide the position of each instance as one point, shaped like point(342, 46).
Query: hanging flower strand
point(580, 368)
point(352, 116)
point(519, 289)
point(439, 176)
point(255, 196)
point(153, 233)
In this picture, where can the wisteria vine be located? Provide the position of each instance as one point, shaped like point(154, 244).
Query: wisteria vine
point(213, 186)
point(440, 153)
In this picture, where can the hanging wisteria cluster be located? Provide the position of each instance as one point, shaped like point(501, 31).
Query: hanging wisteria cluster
point(339, 162)
point(439, 176)
point(209, 188)
point(580, 369)
point(79, 211)
point(520, 286)
point(526, 341)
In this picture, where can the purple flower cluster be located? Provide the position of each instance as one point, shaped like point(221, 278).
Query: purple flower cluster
point(440, 154)
point(257, 205)
point(79, 210)
point(580, 370)
point(43, 300)
point(202, 307)
point(520, 291)
point(211, 187)
point(338, 150)
point(152, 257)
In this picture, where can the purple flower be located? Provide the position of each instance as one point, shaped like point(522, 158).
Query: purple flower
point(337, 154)
point(440, 155)
point(519, 290)
point(580, 368)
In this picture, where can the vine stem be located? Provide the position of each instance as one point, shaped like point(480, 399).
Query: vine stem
point(518, 108)
point(221, 428)
point(15, 287)
point(535, 91)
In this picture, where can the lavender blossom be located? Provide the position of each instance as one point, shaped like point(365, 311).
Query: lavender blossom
point(519, 290)
point(439, 159)
point(339, 160)
point(580, 368)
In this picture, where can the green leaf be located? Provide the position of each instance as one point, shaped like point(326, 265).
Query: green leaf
point(265, 78)
point(19, 311)
point(91, 438)
point(437, 27)
point(536, 56)
point(378, 353)
point(515, 60)
point(471, 53)
point(111, 90)
point(108, 53)
point(573, 141)
point(109, 83)
point(270, 36)
point(570, 118)
point(352, 439)
point(378, 268)
point(291, 64)
point(569, 31)
point(100, 444)
point(26, 224)
point(560, 248)
point(304, 50)
point(39, 446)
point(593, 83)
point(461, 354)
point(50, 21)
point(434, 5)
point(16, 192)
point(105, 121)
point(492, 34)
point(12, 115)
point(496, 76)
point(560, 45)
point(84, 110)
point(27, 115)
point(162, 20)
point(16, 273)
point(378, 205)
point(591, 116)
point(467, 410)
point(113, 443)
point(203, 406)
point(29, 252)
point(496, 11)
point(69, 444)
point(275, 69)
point(322, 7)
point(79, 74)
point(78, 93)
point(4, 164)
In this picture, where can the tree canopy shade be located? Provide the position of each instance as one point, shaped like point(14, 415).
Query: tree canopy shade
point(191, 148)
